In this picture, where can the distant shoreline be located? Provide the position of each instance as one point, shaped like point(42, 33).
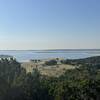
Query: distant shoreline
point(26, 55)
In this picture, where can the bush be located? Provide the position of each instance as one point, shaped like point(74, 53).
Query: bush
point(51, 62)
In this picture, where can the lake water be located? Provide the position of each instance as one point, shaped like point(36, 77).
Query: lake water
point(26, 55)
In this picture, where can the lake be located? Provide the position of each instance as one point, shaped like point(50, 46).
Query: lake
point(26, 55)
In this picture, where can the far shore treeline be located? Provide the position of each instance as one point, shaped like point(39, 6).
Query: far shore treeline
point(81, 83)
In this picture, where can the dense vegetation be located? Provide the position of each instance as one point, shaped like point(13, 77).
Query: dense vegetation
point(89, 61)
point(82, 83)
point(51, 62)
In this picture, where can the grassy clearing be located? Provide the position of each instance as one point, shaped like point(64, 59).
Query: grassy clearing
point(54, 70)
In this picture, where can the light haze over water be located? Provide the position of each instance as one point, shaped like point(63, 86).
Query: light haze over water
point(26, 55)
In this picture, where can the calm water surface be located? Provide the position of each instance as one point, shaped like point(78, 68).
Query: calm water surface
point(26, 55)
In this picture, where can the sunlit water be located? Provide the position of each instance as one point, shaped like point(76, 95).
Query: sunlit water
point(26, 55)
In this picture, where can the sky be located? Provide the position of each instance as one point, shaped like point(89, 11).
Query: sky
point(49, 24)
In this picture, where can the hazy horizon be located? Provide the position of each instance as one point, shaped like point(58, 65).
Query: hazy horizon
point(57, 49)
point(49, 24)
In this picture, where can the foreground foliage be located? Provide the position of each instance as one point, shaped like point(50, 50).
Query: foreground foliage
point(82, 83)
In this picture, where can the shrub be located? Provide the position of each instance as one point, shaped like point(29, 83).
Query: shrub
point(51, 62)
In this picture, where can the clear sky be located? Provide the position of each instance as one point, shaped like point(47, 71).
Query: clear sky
point(49, 24)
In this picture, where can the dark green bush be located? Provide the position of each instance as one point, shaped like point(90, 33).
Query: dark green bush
point(51, 62)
